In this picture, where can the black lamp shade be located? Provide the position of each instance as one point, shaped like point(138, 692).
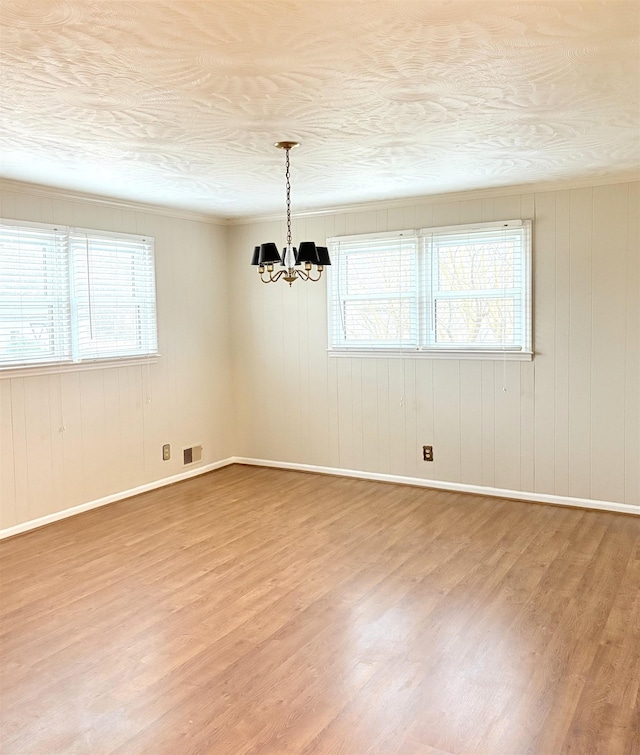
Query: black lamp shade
point(307, 252)
point(255, 258)
point(268, 254)
point(323, 255)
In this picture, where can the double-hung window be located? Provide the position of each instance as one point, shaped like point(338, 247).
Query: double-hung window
point(459, 291)
point(70, 295)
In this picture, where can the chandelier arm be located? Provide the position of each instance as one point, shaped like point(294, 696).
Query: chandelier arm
point(315, 280)
point(272, 278)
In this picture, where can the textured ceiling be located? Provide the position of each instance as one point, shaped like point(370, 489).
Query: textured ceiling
point(178, 103)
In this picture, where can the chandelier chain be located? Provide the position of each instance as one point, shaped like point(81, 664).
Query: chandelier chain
point(288, 199)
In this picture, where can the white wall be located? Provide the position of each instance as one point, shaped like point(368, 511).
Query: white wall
point(117, 419)
point(569, 421)
point(244, 368)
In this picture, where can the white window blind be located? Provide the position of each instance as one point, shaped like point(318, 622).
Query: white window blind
point(114, 295)
point(457, 290)
point(34, 295)
point(375, 291)
point(71, 295)
point(477, 287)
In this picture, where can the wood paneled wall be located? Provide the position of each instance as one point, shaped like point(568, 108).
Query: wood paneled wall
point(244, 368)
point(565, 424)
point(117, 419)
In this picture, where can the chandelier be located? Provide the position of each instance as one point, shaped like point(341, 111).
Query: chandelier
point(308, 254)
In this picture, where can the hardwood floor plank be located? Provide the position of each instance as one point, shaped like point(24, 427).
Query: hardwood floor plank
point(608, 707)
point(254, 610)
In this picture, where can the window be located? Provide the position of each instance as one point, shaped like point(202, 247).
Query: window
point(70, 295)
point(457, 291)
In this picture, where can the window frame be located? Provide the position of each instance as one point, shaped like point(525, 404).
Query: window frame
point(425, 301)
point(73, 359)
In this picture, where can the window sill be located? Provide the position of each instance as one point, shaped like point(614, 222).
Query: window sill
point(494, 354)
point(57, 367)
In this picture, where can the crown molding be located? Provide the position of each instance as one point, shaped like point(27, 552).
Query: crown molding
point(21, 187)
point(51, 192)
point(454, 196)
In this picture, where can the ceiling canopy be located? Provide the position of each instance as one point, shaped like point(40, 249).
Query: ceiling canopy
point(179, 103)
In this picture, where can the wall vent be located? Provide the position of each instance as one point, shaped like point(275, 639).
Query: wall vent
point(191, 455)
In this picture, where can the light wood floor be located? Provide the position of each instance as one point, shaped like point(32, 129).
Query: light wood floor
point(261, 611)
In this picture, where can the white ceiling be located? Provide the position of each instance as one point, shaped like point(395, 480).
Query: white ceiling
point(178, 103)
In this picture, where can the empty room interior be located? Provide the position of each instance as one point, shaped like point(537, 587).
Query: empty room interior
point(320, 377)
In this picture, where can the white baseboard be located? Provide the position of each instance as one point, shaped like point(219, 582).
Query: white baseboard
point(33, 523)
point(556, 500)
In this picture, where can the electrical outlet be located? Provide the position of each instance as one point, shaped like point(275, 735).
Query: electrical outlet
point(166, 452)
point(427, 453)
